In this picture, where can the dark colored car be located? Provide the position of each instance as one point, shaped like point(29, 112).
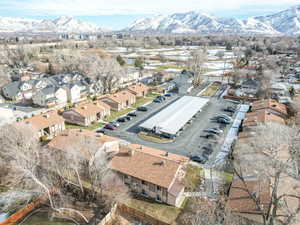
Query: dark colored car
point(100, 131)
point(132, 114)
point(110, 127)
point(223, 121)
point(210, 136)
point(213, 131)
point(128, 118)
point(168, 95)
point(122, 119)
point(157, 100)
point(198, 158)
point(142, 109)
point(230, 109)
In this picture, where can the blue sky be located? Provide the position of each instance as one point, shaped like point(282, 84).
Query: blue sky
point(119, 13)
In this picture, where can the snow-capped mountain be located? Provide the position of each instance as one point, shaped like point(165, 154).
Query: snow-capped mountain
point(62, 24)
point(285, 22)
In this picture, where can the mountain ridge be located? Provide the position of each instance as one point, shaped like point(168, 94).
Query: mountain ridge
point(286, 22)
point(62, 24)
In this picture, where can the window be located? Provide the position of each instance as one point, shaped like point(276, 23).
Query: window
point(152, 187)
point(144, 192)
point(158, 198)
point(158, 188)
point(144, 182)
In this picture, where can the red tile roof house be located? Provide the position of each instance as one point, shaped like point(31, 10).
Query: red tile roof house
point(120, 100)
point(152, 173)
point(86, 114)
point(47, 125)
point(139, 89)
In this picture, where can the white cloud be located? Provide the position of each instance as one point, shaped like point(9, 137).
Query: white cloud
point(109, 7)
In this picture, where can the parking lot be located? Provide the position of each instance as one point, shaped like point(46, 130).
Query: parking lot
point(189, 141)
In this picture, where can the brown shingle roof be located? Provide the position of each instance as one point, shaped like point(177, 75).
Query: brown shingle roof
point(261, 117)
point(43, 121)
point(270, 104)
point(89, 109)
point(138, 88)
point(67, 137)
point(148, 164)
point(240, 199)
point(121, 96)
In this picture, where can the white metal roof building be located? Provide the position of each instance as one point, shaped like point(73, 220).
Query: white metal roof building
point(171, 119)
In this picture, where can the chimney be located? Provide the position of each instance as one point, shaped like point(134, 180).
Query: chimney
point(141, 147)
point(167, 154)
point(46, 116)
point(131, 152)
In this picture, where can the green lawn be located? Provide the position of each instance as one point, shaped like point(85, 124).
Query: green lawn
point(211, 90)
point(114, 114)
point(153, 95)
point(193, 177)
point(153, 138)
point(165, 213)
point(142, 101)
point(92, 127)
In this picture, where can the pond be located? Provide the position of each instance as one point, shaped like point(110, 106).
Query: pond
point(41, 218)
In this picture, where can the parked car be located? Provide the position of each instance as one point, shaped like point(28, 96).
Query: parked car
point(132, 114)
point(198, 158)
point(157, 100)
point(226, 116)
point(110, 127)
point(230, 109)
point(217, 129)
point(101, 131)
point(122, 119)
point(168, 95)
point(114, 123)
point(223, 121)
point(163, 98)
point(210, 136)
point(142, 109)
point(213, 131)
point(128, 118)
point(216, 118)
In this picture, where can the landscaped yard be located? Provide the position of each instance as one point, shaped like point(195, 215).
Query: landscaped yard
point(142, 101)
point(153, 95)
point(92, 127)
point(153, 138)
point(193, 177)
point(211, 90)
point(165, 213)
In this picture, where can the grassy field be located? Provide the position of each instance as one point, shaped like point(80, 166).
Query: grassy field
point(164, 213)
point(193, 177)
point(92, 127)
point(153, 138)
point(211, 90)
point(170, 66)
point(142, 101)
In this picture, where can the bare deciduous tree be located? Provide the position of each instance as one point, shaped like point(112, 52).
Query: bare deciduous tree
point(197, 65)
point(272, 154)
